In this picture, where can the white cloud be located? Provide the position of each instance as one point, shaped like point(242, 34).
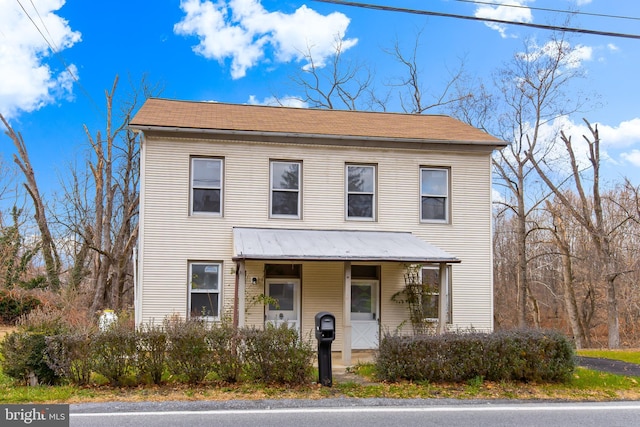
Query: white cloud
point(243, 31)
point(549, 137)
point(285, 101)
point(504, 12)
point(613, 139)
point(632, 157)
point(572, 57)
point(612, 47)
point(578, 55)
point(497, 197)
point(626, 134)
point(582, 2)
point(28, 82)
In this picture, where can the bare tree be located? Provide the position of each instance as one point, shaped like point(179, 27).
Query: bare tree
point(532, 94)
point(346, 84)
point(48, 247)
point(102, 205)
point(340, 84)
point(415, 95)
point(589, 214)
point(562, 241)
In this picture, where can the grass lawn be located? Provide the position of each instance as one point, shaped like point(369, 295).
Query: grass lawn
point(585, 385)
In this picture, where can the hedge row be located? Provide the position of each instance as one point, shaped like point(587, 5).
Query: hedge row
point(520, 355)
point(188, 351)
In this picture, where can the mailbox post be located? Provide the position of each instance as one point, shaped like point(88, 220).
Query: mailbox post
point(325, 334)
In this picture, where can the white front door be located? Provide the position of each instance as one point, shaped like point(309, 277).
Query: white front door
point(364, 314)
point(285, 307)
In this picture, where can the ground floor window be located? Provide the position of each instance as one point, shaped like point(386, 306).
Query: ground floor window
point(204, 289)
point(432, 292)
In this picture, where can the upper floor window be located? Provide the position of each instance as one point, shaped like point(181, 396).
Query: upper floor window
point(204, 289)
point(206, 185)
point(434, 194)
point(285, 189)
point(361, 185)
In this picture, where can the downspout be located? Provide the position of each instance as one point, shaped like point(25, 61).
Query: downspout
point(136, 292)
point(236, 297)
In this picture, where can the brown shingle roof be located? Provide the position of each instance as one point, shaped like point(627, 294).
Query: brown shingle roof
point(173, 114)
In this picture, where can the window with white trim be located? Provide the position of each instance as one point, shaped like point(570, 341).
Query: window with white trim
point(205, 283)
point(206, 186)
point(434, 194)
point(285, 189)
point(361, 196)
point(432, 292)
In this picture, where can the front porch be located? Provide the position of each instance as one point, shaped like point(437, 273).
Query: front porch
point(290, 275)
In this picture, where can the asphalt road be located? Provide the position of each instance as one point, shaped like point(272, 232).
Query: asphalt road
point(357, 412)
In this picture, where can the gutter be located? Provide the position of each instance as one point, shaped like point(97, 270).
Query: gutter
point(150, 128)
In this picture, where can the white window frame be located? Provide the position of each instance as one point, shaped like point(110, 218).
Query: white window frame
point(447, 272)
point(372, 193)
point(193, 187)
point(273, 190)
point(217, 292)
point(446, 195)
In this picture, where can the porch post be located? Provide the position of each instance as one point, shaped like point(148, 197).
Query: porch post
point(443, 309)
point(346, 316)
point(242, 280)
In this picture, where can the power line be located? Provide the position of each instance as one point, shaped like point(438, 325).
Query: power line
point(601, 15)
point(475, 18)
point(58, 54)
point(43, 24)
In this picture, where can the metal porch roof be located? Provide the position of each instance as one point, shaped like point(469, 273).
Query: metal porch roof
point(334, 245)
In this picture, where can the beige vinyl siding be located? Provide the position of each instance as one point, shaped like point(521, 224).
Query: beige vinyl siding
point(393, 315)
point(254, 307)
point(322, 290)
point(172, 237)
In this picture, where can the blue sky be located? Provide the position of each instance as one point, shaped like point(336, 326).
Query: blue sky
point(245, 51)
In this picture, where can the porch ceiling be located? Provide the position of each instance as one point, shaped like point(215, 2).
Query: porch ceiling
point(334, 245)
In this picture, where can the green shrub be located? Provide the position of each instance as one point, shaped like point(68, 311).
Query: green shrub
point(24, 351)
point(152, 344)
point(15, 304)
point(189, 354)
point(113, 352)
point(277, 355)
point(523, 355)
point(224, 341)
point(69, 355)
point(23, 358)
point(531, 355)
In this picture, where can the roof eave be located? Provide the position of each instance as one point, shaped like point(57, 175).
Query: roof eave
point(221, 132)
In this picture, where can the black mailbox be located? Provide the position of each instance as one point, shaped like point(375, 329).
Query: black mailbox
point(325, 327)
point(325, 334)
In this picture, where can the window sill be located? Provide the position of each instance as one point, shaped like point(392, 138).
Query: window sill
point(205, 215)
point(207, 319)
point(435, 221)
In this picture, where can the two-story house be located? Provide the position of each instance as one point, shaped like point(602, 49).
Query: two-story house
point(273, 214)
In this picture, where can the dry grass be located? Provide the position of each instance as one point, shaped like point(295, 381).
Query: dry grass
point(4, 330)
